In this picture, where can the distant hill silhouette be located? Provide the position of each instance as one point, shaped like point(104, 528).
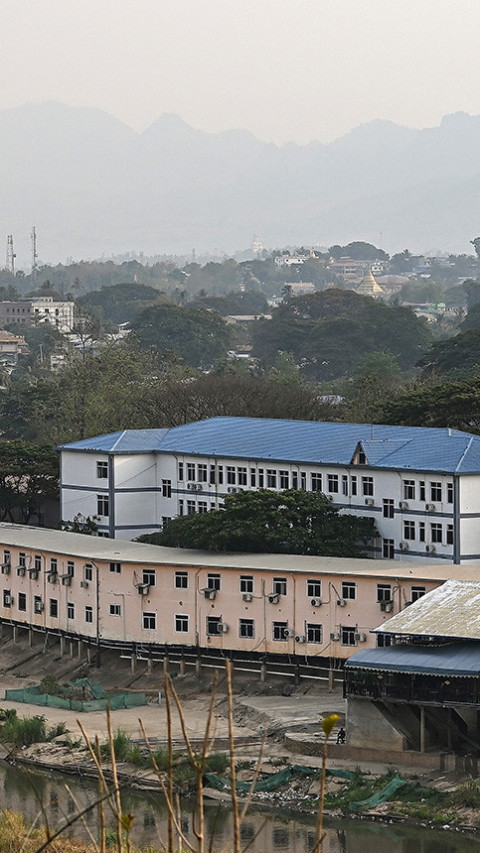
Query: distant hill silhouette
point(91, 185)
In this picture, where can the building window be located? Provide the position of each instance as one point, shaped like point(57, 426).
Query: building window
point(384, 592)
point(421, 531)
point(88, 614)
point(220, 475)
point(102, 470)
point(284, 479)
point(166, 488)
point(202, 473)
point(294, 480)
point(388, 549)
point(166, 519)
point(314, 589)
point(53, 566)
point(53, 608)
point(353, 486)
point(7, 598)
point(70, 610)
point(278, 630)
point(383, 640)
point(22, 560)
point(115, 610)
point(333, 483)
point(213, 626)
point(180, 470)
point(181, 623)
point(449, 493)
point(349, 590)
point(190, 471)
point(202, 507)
point(37, 563)
point(102, 505)
point(388, 508)
point(70, 568)
point(149, 621)
point(180, 508)
point(409, 490)
point(242, 476)
point(347, 635)
point(190, 507)
point(271, 478)
point(213, 582)
point(88, 572)
point(253, 478)
point(303, 481)
point(316, 481)
point(314, 633)
point(22, 601)
point(367, 487)
point(449, 534)
point(116, 568)
point(246, 583)
point(279, 586)
point(148, 577)
point(436, 533)
point(212, 475)
point(260, 478)
point(421, 488)
point(231, 478)
point(181, 580)
point(246, 628)
point(417, 592)
point(409, 530)
point(435, 491)
point(345, 485)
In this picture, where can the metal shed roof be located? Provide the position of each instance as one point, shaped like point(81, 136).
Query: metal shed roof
point(457, 659)
point(451, 610)
point(415, 448)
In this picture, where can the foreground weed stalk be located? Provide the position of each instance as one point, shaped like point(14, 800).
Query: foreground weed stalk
point(327, 725)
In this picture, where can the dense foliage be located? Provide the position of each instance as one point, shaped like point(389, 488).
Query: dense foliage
point(289, 522)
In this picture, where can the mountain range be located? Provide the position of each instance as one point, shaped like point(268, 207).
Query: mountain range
point(92, 186)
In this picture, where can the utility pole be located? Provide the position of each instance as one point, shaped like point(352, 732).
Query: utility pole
point(10, 259)
point(33, 236)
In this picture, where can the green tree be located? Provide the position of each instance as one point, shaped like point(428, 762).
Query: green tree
point(28, 475)
point(197, 336)
point(289, 522)
point(427, 404)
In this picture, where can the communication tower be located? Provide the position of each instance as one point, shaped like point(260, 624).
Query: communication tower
point(10, 259)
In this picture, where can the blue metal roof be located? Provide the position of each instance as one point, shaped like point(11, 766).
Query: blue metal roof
point(454, 659)
point(416, 448)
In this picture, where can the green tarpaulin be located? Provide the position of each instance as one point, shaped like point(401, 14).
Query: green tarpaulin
point(380, 797)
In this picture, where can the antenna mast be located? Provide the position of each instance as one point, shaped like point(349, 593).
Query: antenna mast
point(33, 235)
point(10, 259)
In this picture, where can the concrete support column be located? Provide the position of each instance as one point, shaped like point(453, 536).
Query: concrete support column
point(330, 679)
point(133, 663)
point(422, 728)
point(165, 665)
point(62, 646)
point(15, 634)
point(30, 637)
point(263, 672)
point(149, 666)
point(181, 670)
point(297, 675)
point(89, 654)
point(1, 630)
point(198, 666)
point(71, 648)
point(79, 649)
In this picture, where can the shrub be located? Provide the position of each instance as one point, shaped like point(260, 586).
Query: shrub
point(217, 762)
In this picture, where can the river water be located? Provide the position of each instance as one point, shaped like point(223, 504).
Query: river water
point(278, 831)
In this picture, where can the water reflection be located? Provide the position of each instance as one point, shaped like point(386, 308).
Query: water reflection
point(25, 792)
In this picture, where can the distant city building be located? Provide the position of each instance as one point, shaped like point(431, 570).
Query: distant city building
point(11, 345)
point(370, 287)
point(37, 310)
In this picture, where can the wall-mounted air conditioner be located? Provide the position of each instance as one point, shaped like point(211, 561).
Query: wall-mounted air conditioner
point(38, 607)
point(21, 571)
point(210, 593)
point(335, 636)
point(84, 584)
point(247, 596)
point(430, 549)
point(360, 638)
point(274, 598)
point(299, 638)
point(316, 602)
point(386, 606)
point(369, 502)
point(430, 507)
point(341, 602)
point(288, 632)
point(143, 588)
point(6, 568)
point(223, 627)
point(403, 504)
point(404, 546)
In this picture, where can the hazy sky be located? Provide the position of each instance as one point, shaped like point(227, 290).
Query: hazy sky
point(284, 69)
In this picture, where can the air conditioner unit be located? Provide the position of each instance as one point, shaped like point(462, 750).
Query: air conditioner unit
point(430, 507)
point(7, 600)
point(274, 598)
point(316, 602)
point(360, 638)
point(369, 502)
point(223, 627)
point(143, 588)
point(299, 638)
point(335, 636)
point(52, 578)
point(430, 549)
point(386, 606)
point(341, 602)
point(247, 596)
point(6, 568)
point(198, 487)
point(191, 487)
point(288, 632)
point(232, 490)
point(403, 504)
point(38, 607)
point(21, 571)
point(210, 593)
point(66, 580)
point(84, 584)
point(34, 573)
point(404, 546)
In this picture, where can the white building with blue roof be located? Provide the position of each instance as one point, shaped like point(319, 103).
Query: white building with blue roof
point(421, 485)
